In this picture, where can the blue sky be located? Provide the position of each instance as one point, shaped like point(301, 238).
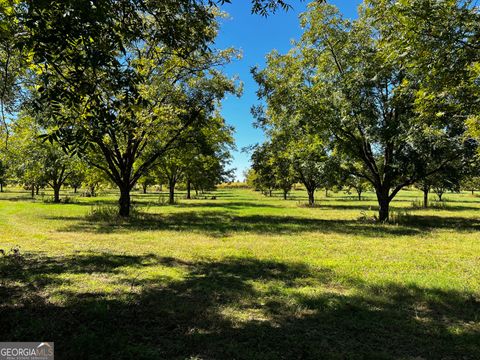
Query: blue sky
point(256, 36)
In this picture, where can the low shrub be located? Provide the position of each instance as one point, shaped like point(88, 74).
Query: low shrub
point(439, 204)
point(367, 218)
point(63, 200)
point(164, 200)
point(417, 204)
point(307, 205)
point(435, 204)
point(398, 217)
point(109, 213)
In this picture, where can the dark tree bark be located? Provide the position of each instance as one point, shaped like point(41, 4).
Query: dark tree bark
point(56, 193)
point(285, 194)
point(310, 185)
point(1, 187)
point(384, 204)
point(426, 190)
point(359, 193)
point(171, 188)
point(57, 182)
point(33, 191)
point(311, 197)
point(75, 188)
point(189, 189)
point(384, 210)
point(124, 201)
point(144, 186)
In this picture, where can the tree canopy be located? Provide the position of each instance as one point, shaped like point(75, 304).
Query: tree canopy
point(343, 80)
point(119, 82)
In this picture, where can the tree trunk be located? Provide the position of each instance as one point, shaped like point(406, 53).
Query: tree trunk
point(33, 191)
point(359, 192)
point(311, 197)
point(171, 186)
point(75, 188)
point(56, 193)
point(144, 186)
point(37, 190)
point(270, 192)
point(384, 211)
point(189, 189)
point(285, 194)
point(440, 196)
point(1, 187)
point(124, 202)
point(425, 197)
point(326, 192)
point(384, 204)
point(92, 191)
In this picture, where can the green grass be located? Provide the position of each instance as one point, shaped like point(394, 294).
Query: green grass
point(243, 277)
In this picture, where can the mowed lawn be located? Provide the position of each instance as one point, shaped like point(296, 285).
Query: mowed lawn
point(242, 276)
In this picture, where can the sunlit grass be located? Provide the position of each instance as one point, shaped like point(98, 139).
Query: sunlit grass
point(243, 276)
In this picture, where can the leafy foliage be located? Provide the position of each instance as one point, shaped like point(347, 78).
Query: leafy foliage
point(343, 83)
point(38, 163)
point(119, 82)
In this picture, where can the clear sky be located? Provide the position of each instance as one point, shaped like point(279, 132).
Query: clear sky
point(256, 36)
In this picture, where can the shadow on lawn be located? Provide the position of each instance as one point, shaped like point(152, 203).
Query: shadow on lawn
point(373, 206)
point(224, 223)
point(17, 198)
point(195, 317)
point(232, 205)
point(331, 204)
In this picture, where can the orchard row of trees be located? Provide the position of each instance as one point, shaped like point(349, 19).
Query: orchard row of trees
point(33, 163)
point(124, 90)
point(388, 100)
point(275, 169)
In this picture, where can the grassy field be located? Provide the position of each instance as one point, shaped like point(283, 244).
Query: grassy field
point(242, 276)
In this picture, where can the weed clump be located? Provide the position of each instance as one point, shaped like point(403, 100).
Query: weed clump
point(109, 213)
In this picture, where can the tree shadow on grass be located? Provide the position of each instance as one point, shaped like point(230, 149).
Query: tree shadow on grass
point(466, 199)
point(430, 222)
point(232, 205)
point(372, 205)
point(90, 202)
point(39, 270)
point(236, 308)
point(225, 223)
point(18, 198)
